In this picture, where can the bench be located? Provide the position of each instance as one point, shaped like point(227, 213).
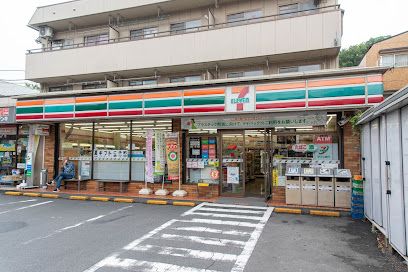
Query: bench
point(78, 181)
point(101, 184)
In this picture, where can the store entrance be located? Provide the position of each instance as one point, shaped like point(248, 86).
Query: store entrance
point(246, 163)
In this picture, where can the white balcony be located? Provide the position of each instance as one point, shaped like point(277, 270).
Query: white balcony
point(273, 37)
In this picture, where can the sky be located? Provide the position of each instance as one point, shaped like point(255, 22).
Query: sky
point(363, 19)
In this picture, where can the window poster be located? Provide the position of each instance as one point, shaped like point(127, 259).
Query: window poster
point(195, 147)
point(233, 175)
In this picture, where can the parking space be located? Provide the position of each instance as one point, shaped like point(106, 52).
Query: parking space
point(39, 234)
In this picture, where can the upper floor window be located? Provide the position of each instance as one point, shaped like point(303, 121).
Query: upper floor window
point(60, 44)
point(246, 15)
point(60, 88)
point(185, 26)
point(286, 9)
point(144, 33)
point(185, 79)
point(96, 39)
point(90, 86)
point(245, 74)
point(143, 82)
point(394, 60)
point(303, 68)
point(292, 9)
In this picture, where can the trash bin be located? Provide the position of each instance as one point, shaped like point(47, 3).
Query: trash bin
point(309, 186)
point(293, 194)
point(44, 177)
point(343, 188)
point(325, 181)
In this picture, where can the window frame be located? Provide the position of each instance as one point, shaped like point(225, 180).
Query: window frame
point(244, 18)
point(144, 34)
point(173, 79)
point(185, 29)
point(99, 41)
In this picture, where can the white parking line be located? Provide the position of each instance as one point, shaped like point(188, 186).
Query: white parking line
point(211, 230)
point(187, 253)
point(249, 237)
point(250, 245)
point(203, 240)
point(231, 210)
point(220, 222)
point(16, 202)
point(224, 215)
point(144, 266)
point(27, 207)
point(75, 225)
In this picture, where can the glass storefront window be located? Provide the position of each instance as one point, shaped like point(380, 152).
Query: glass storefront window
point(8, 136)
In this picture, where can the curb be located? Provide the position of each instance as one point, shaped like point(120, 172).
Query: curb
point(156, 202)
point(13, 193)
point(124, 200)
point(288, 210)
point(50, 196)
point(325, 213)
point(78, 197)
point(181, 203)
point(104, 199)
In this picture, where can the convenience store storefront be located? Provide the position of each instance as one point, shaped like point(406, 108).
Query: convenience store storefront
point(235, 135)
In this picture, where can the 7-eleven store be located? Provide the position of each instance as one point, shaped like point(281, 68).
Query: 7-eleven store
point(236, 135)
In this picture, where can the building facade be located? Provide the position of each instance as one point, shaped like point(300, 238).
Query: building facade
point(251, 89)
point(13, 136)
point(392, 52)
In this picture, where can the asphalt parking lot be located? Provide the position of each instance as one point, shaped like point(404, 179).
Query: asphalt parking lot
point(62, 235)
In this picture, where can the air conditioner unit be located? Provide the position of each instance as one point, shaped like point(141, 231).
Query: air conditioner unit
point(46, 32)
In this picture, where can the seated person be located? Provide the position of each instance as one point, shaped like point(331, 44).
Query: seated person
point(67, 172)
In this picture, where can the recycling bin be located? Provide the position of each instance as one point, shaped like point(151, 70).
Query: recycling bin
point(309, 186)
point(343, 188)
point(293, 193)
point(325, 181)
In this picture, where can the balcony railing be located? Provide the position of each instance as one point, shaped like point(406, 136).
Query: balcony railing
point(187, 30)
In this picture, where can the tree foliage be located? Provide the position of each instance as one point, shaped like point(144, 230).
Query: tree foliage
point(32, 86)
point(353, 55)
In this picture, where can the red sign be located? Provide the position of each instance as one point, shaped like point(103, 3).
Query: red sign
point(323, 139)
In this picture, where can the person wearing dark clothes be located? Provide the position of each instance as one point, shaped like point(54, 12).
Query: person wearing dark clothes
point(67, 172)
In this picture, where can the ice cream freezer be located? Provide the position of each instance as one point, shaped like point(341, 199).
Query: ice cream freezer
point(343, 188)
point(325, 181)
point(308, 186)
point(293, 192)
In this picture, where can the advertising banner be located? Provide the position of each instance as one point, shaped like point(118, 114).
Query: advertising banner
point(7, 115)
point(255, 121)
point(159, 150)
point(172, 155)
point(149, 157)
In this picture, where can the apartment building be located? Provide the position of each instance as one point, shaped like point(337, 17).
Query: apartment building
point(99, 44)
point(392, 52)
point(251, 88)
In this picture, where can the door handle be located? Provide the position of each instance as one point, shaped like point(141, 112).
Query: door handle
point(387, 177)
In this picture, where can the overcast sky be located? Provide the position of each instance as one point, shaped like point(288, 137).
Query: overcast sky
point(363, 19)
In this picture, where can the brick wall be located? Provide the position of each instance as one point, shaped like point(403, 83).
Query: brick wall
point(49, 152)
point(352, 150)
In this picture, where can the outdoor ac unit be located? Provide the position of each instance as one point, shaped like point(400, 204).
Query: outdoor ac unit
point(46, 32)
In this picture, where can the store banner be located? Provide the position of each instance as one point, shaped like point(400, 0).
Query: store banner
point(240, 99)
point(173, 155)
point(149, 157)
point(268, 120)
point(7, 115)
point(160, 153)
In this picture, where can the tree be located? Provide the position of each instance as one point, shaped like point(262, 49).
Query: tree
point(353, 55)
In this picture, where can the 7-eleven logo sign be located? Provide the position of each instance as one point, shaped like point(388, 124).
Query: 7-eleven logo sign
point(240, 99)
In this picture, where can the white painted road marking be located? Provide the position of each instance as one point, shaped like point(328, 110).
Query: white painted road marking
point(187, 253)
point(211, 230)
point(76, 225)
point(16, 202)
point(203, 240)
point(249, 232)
point(27, 207)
